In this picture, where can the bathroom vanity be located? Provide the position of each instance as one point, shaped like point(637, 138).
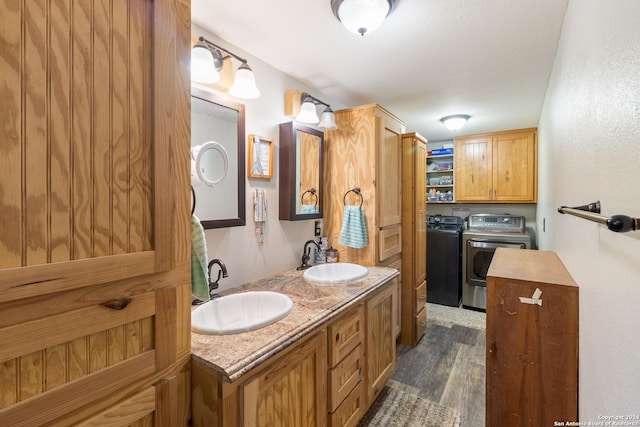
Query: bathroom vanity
point(322, 365)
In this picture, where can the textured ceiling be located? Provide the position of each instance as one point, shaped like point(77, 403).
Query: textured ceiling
point(490, 59)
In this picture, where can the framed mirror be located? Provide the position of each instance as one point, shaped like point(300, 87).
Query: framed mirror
point(217, 160)
point(301, 165)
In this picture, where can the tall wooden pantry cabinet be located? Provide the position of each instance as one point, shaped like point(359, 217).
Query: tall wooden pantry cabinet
point(94, 213)
point(414, 238)
point(366, 152)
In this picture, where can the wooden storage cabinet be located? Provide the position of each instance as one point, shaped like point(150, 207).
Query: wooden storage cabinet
point(94, 267)
point(532, 349)
point(366, 152)
point(290, 390)
point(329, 378)
point(414, 238)
point(496, 168)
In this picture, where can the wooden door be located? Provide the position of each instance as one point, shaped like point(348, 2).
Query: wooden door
point(473, 169)
point(389, 182)
point(514, 170)
point(291, 392)
point(94, 250)
point(380, 342)
point(420, 248)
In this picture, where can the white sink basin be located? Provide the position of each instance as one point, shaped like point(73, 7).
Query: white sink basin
point(241, 312)
point(334, 273)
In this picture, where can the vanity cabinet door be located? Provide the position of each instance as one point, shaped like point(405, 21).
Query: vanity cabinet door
point(291, 391)
point(380, 341)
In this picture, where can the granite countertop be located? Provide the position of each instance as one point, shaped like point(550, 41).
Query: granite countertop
point(313, 305)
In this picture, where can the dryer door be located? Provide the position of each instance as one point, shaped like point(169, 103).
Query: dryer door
point(479, 256)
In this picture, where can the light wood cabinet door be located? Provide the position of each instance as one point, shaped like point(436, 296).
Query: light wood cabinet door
point(389, 183)
point(473, 169)
point(380, 342)
point(514, 167)
point(292, 391)
point(94, 252)
point(414, 232)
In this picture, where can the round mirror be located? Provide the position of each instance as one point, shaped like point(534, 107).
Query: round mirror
point(212, 162)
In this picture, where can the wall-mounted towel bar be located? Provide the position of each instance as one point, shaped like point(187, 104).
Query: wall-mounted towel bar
point(591, 212)
point(353, 190)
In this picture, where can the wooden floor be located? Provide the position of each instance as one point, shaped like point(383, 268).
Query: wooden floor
point(447, 367)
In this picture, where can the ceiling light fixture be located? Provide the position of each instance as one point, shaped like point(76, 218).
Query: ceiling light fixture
point(362, 16)
point(308, 113)
point(455, 122)
point(207, 60)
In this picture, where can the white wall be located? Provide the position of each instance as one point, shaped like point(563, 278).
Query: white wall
point(589, 135)
point(238, 247)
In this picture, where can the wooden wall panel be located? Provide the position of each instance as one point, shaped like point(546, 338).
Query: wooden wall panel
point(60, 76)
point(81, 168)
point(101, 127)
point(11, 232)
point(77, 113)
point(34, 108)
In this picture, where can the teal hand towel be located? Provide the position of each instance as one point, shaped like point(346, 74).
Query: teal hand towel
point(354, 229)
point(308, 209)
point(199, 281)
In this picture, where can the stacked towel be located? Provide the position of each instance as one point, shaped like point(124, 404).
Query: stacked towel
point(199, 281)
point(354, 228)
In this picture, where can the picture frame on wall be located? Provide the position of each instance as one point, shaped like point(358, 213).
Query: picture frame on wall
point(259, 157)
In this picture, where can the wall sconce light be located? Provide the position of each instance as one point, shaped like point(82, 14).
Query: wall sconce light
point(307, 110)
point(362, 16)
point(207, 59)
point(455, 122)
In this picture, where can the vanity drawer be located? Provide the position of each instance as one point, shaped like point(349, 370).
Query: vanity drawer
point(390, 242)
point(351, 410)
point(421, 323)
point(344, 377)
point(345, 334)
point(421, 296)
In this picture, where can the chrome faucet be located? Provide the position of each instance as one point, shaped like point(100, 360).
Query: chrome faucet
point(305, 254)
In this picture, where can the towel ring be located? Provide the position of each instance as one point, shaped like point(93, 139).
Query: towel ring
point(310, 191)
point(353, 190)
point(193, 200)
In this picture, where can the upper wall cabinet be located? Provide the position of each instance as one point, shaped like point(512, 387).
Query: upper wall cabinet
point(497, 167)
point(301, 164)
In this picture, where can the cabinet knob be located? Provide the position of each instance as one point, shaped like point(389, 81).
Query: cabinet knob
point(338, 337)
